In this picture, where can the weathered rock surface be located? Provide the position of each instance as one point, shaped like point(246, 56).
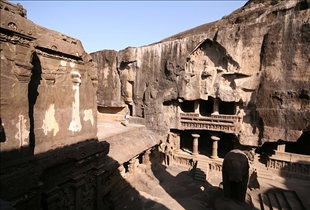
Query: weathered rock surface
point(48, 85)
point(256, 59)
point(50, 157)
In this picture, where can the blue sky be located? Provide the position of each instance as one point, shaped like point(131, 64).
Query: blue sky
point(119, 24)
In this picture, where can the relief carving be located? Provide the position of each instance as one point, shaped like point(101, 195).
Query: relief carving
point(14, 39)
point(12, 26)
point(216, 70)
point(65, 199)
point(21, 10)
point(76, 78)
point(88, 193)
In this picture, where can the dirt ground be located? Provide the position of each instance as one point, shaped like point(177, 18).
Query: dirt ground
point(173, 187)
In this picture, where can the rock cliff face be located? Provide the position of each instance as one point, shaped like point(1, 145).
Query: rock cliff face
point(255, 60)
point(48, 112)
point(48, 86)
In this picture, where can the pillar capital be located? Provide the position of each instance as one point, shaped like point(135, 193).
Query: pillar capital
point(194, 135)
point(215, 138)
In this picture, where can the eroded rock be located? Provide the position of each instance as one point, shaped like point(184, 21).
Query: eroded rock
point(255, 59)
point(48, 85)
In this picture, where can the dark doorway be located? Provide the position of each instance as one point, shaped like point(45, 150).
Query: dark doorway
point(187, 106)
point(130, 109)
point(227, 108)
point(301, 146)
point(205, 144)
point(206, 107)
point(186, 141)
point(267, 148)
point(225, 144)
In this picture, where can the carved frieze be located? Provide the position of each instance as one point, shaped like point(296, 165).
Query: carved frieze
point(66, 198)
point(224, 123)
point(289, 162)
point(15, 38)
point(57, 55)
point(88, 193)
point(282, 165)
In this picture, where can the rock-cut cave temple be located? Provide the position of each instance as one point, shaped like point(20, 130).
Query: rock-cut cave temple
point(242, 82)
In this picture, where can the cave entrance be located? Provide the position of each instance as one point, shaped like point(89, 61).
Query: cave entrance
point(110, 110)
point(227, 108)
point(301, 146)
point(225, 144)
point(267, 148)
point(186, 141)
point(206, 107)
point(188, 106)
point(130, 109)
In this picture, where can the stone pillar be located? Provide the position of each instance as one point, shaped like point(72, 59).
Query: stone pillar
point(196, 106)
point(215, 140)
point(177, 140)
point(216, 106)
point(146, 157)
point(281, 146)
point(195, 144)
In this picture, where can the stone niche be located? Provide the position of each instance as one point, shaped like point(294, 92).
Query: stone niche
point(48, 86)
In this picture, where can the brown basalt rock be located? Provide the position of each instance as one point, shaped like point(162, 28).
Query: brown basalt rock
point(48, 85)
point(256, 58)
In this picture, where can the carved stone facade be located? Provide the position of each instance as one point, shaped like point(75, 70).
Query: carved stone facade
point(243, 78)
point(48, 85)
point(223, 123)
point(48, 111)
point(290, 164)
point(240, 62)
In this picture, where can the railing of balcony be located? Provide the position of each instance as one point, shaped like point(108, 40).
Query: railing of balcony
point(193, 121)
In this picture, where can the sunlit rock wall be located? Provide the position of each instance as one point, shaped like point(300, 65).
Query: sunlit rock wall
point(256, 57)
point(48, 86)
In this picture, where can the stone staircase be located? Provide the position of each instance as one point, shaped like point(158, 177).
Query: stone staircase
point(201, 171)
point(282, 200)
point(260, 165)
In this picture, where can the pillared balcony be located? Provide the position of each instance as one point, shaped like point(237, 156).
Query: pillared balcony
point(218, 122)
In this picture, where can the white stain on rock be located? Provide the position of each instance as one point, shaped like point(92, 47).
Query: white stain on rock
point(72, 64)
point(75, 124)
point(63, 63)
point(23, 134)
point(88, 115)
point(49, 122)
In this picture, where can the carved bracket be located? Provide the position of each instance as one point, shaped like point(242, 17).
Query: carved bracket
point(75, 78)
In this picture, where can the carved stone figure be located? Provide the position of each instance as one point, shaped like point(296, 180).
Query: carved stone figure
point(235, 175)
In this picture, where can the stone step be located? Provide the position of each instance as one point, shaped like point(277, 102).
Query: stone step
point(200, 174)
point(265, 174)
point(200, 177)
point(284, 200)
point(201, 171)
point(203, 167)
